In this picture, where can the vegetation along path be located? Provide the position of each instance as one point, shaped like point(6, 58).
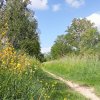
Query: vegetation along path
point(85, 91)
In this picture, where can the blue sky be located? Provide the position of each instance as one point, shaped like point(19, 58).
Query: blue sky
point(55, 15)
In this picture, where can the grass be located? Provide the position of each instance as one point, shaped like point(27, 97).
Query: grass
point(83, 70)
point(57, 90)
point(33, 86)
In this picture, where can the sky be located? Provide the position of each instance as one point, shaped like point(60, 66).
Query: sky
point(54, 16)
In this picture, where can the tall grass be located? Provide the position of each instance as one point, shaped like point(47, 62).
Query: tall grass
point(33, 84)
point(82, 69)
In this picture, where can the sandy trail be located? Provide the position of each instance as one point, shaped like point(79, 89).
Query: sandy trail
point(85, 91)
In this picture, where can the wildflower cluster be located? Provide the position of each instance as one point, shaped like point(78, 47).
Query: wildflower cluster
point(10, 59)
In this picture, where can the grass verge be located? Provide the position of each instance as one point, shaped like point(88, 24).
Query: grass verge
point(84, 70)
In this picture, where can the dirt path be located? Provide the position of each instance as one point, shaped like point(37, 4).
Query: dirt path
point(85, 91)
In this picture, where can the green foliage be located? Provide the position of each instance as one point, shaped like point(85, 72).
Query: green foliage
point(81, 37)
point(90, 42)
point(16, 85)
point(60, 48)
point(83, 34)
point(22, 27)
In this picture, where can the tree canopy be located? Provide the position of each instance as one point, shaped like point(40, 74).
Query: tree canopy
point(19, 27)
point(81, 37)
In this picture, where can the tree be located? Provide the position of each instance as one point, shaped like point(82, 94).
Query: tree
point(77, 29)
point(90, 41)
point(83, 32)
point(60, 47)
point(22, 30)
point(81, 37)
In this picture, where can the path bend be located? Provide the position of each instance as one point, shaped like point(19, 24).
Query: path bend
point(85, 91)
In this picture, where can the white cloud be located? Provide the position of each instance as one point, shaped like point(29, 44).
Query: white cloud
point(56, 7)
point(75, 3)
point(45, 50)
point(95, 18)
point(39, 4)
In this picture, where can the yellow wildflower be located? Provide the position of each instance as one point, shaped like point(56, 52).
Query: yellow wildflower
point(18, 65)
point(65, 98)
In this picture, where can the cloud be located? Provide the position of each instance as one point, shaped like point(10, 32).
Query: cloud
point(39, 4)
point(75, 3)
point(56, 7)
point(45, 50)
point(95, 18)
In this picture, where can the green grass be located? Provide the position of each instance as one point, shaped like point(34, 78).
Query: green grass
point(83, 70)
point(58, 90)
point(33, 84)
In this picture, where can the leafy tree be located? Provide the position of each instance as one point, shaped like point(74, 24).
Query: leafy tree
point(90, 41)
point(82, 36)
point(22, 31)
point(78, 28)
point(82, 30)
point(60, 47)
